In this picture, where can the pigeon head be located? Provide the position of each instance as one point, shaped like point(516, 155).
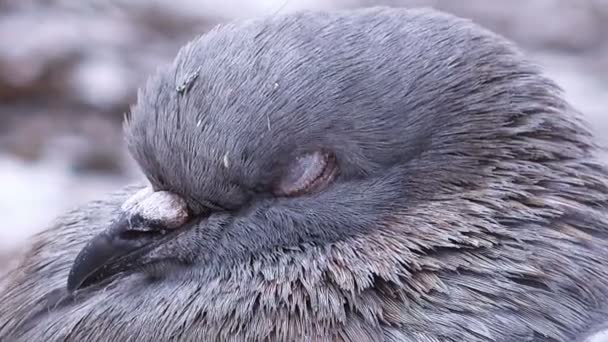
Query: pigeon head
point(363, 175)
point(272, 138)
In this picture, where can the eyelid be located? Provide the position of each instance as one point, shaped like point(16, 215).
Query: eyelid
point(307, 173)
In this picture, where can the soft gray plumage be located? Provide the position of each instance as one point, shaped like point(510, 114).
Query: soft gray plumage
point(469, 205)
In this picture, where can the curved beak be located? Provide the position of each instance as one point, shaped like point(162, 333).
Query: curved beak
point(111, 252)
point(148, 219)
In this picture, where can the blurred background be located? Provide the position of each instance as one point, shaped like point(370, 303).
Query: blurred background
point(70, 69)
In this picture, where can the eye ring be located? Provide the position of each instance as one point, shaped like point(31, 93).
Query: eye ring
point(307, 173)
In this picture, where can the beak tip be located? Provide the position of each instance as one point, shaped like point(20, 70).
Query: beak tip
point(74, 282)
point(82, 266)
point(91, 260)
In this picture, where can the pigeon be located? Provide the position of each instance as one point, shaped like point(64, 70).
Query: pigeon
point(370, 174)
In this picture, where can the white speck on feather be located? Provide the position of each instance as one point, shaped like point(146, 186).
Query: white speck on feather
point(225, 160)
point(199, 122)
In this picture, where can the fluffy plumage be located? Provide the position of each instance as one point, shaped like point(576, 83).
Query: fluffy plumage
point(469, 206)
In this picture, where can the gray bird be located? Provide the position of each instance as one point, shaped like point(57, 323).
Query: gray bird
point(374, 174)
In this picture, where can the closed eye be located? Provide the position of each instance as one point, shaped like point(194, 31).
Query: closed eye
point(308, 173)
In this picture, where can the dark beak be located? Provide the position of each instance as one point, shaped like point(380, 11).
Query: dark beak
point(115, 250)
